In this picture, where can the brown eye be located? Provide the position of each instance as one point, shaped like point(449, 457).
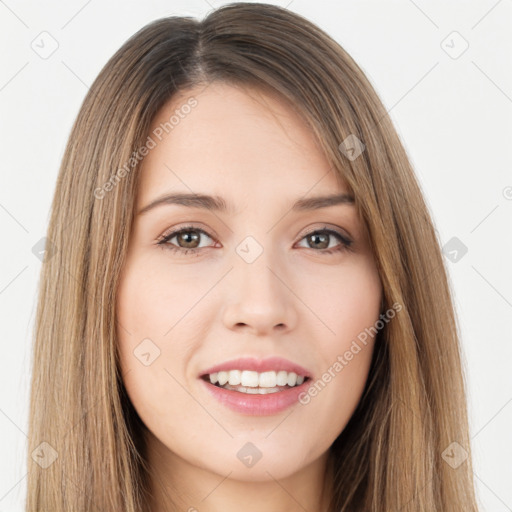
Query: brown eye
point(320, 239)
point(188, 239)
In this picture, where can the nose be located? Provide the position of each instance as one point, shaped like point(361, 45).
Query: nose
point(260, 298)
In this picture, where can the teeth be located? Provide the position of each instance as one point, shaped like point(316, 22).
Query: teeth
point(235, 377)
point(267, 380)
point(282, 378)
point(251, 379)
point(252, 391)
point(223, 378)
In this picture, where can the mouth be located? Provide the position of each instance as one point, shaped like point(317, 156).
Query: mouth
point(256, 387)
point(255, 383)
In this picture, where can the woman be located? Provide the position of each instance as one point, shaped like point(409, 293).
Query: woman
point(293, 345)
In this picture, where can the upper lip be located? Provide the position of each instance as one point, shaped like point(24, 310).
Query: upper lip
point(258, 365)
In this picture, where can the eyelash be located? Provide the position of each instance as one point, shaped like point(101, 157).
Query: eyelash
point(344, 246)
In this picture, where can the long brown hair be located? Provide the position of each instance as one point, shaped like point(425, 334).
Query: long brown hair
point(86, 449)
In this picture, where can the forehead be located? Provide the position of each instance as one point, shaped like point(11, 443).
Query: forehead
point(236, 141)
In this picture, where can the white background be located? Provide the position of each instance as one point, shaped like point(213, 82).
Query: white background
point(453, 114)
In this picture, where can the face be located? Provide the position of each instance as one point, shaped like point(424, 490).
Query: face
point(260, 279)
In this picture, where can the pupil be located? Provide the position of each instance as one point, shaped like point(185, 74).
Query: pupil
point(187, 234)
point(324, 244)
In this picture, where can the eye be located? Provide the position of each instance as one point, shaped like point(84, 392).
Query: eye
point(320, 238)
point(188, 236)
point(188, 240)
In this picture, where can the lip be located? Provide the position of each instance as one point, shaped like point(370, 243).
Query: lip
point(257, 405)
point(258, 365)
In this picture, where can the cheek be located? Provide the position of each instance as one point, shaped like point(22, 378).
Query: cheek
point(354, 312)
point(349, 308)
point(345, 298)
point(150, 302)
point(146, 311)
point(141, 324)
point(150, 312)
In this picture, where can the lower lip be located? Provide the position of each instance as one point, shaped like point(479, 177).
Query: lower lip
point(257, 405)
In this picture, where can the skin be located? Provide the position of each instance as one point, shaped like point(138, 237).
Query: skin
point(294, 301)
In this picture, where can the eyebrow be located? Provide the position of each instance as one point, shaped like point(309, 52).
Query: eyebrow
point(219, 204)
